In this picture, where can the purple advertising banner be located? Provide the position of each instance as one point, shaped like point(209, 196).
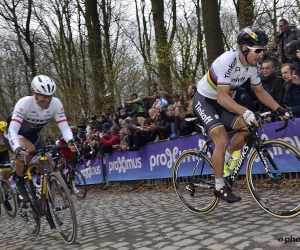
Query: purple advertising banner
point(150, 162)
point(157, 160)
point(94, 173)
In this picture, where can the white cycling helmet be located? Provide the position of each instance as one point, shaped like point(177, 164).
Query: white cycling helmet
point(43, 85)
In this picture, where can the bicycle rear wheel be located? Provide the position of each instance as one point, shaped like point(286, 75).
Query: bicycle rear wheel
point(77, 183)
point(61, 208)
point(9, 199)
point(30, 214)
point(194, 182)
point(277, 193)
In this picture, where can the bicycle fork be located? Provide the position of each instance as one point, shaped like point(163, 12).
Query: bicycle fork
point(265, 156)
point(51, 212)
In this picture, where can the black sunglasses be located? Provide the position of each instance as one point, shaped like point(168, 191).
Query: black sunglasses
point(256, 50)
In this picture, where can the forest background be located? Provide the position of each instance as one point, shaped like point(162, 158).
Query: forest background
point(99, 52)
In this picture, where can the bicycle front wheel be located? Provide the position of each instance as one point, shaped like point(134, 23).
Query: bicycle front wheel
point(61, 208)
point(278, 192)
point(9, 199)
point(78, 184)
point(194, 182)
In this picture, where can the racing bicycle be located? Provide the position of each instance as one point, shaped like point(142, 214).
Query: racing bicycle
point(7, 194)
point(75, 180)
point(49, 196)
point(272, 173)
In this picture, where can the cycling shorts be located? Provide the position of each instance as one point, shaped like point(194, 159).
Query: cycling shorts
point(35, 139)
point(211, 114)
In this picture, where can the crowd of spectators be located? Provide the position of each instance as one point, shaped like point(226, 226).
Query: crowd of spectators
point(141, 120)
point(160, 116)
point(280, 61)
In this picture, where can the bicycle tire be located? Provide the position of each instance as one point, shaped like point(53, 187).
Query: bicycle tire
point(197, 199)
point(29, 213)
point(278, 196)
point(10, 196)
point(79, 189)
point(61, 207)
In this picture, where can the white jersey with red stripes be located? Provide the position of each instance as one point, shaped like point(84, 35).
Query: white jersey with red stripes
point(29, 118)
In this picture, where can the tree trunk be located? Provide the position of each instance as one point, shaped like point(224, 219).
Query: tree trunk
point(212, 30)
point(111, 81)
point(95, 52)
point(163, 47)
point(245, 12)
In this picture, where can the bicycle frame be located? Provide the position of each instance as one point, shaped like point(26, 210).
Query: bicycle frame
point(40, 191)
point(253, 140)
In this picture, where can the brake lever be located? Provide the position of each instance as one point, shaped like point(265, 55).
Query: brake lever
point(259, 120)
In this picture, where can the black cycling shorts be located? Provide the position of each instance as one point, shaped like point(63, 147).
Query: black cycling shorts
point(35, 139)
point(211, 114)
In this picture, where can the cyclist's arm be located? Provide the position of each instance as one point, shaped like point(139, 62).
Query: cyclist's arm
point(226, 101)
point(265, 97)
point(62, 122)
point(19, 112)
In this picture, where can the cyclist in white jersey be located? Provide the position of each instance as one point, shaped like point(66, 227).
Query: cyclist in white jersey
point(214, 104)
point(30, 115)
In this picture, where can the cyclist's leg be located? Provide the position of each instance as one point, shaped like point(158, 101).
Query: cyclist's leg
point(61, 164)
point(209, 113)
point(238, 140)
point(20, 184)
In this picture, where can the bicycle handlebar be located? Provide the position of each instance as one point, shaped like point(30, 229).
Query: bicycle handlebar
point(260, 116)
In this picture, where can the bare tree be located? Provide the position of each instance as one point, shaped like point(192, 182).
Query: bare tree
point(163, 45)
point(245, 12)
point(95, 51)
point(18, 16)
point(212, 29)
point(188, 49)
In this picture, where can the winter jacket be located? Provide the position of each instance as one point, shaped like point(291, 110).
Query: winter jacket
point(293, 37)
point(109, 141)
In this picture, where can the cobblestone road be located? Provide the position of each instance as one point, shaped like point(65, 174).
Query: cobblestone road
point(157, 220)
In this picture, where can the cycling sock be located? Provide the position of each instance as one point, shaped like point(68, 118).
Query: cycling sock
point(219, 183)
point(227, 157)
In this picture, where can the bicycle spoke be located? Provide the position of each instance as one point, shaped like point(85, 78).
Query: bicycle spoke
point(9, 199)
point(62, 209)
point(276, 192)
point(194, 182)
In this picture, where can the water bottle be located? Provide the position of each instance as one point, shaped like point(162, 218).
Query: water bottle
point(236, 155)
